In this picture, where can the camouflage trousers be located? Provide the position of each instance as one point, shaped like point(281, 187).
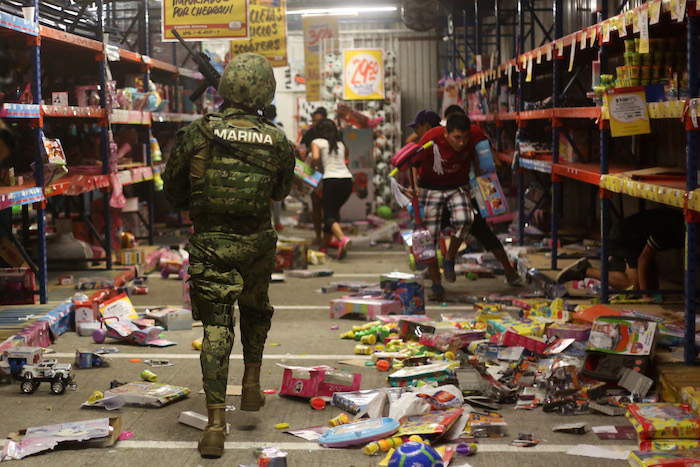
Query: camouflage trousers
point(225, 268)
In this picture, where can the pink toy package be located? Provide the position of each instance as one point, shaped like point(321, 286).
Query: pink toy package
point(318, 381)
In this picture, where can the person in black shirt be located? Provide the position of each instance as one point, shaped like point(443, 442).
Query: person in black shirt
point(634, 243)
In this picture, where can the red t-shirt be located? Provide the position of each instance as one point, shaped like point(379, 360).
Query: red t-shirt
point(455, 164)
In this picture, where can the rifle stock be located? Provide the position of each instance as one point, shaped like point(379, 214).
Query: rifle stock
point(210, 74)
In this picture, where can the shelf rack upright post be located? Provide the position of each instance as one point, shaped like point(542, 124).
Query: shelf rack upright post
point(150, 184)
point(104, 138)
point(41, 263)
point(691, 268)
point(521, 106)
point(556, 125)
point(605, 219)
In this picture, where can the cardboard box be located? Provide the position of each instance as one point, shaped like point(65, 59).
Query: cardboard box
point(171, 318)
point(406, 288)
point(317, 381)
point(131, 255)
point(19, 286)
point(364, 306)
point(290, 256)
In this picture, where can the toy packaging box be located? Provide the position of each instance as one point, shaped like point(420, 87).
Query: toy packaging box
point(307, 179)
point(410, 376)
point(487, 188)
point(406, 288)
point(664, 421)
point(142, 394)
point(364, 306)
point(17, 286)
point(321, 381)
point(675, 458)
point(355, 402)
point(290, 256)
point(668, 444)
point(436, 422)
point(131, 256)
point(622, 335)
point(580, 332)
point(488, 424)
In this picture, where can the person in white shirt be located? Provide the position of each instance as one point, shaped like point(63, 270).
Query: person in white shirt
point(328, 150)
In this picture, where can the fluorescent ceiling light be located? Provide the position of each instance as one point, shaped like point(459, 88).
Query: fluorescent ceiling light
point(341, 11)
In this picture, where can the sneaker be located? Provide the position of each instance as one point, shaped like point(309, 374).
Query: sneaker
point(448, 267)
point(437, 293)
point(343, 247)
point(575, 272)
point(515, 280)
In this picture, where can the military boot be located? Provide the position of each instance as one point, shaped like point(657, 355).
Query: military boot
point(211, 444)
point(252, 397)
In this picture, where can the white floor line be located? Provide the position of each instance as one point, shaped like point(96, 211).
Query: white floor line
point(449, 307)
point(352, 252)
point(234, 356)
point(312, 446)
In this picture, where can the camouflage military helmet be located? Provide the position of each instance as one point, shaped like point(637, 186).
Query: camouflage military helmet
point(248, 80)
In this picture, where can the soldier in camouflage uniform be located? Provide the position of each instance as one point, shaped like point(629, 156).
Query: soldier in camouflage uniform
point(224, 169)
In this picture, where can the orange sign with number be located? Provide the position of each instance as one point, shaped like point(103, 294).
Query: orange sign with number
point(363, 76)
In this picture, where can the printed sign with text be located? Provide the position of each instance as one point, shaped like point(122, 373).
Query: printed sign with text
point(200, 20)
point(363, 74)
point(268, 32)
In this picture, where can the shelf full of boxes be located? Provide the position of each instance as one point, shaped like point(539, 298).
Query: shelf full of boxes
point(99, 106)
point(660, 55)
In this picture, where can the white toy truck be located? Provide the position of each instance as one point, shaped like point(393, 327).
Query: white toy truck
point(59, 375)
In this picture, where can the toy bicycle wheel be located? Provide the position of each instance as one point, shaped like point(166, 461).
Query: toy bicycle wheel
point(412, 262)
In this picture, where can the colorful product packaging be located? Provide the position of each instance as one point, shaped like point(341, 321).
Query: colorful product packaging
point(319, 381)
point(580, 332)
point(406, 288)
point(664, 421)
point(18, 286)
point(411, 376)
point(291, 256)
point(364, 306)
point(622, 335)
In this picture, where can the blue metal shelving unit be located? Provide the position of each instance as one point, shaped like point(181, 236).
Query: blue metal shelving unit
point(556, 91)
point(35, 50)
point(691, 268)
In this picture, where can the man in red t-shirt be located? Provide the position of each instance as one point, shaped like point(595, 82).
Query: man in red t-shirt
point(442, 175)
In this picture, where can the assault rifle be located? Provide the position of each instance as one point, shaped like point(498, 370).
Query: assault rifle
point(211, 75)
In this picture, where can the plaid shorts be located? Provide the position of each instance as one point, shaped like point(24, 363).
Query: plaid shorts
point(458, 204)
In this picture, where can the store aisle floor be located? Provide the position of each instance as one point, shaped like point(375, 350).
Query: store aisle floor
point(300, 335)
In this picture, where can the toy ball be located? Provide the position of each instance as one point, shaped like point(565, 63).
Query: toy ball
point(389, 65)
point(337, 67)
point(329, 82)
point(390, 56)
point(415, 454)
point(327, 70)
point(381, 167)
point(377, 179)
point(326, 94)
point(384, 212)
point(371, 105)
point(338, 92)
point(380, 141)
point(386, 191)
point(98, 335)
point(388, 128)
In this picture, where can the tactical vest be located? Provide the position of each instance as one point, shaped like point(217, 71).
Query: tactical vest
point(240, 172)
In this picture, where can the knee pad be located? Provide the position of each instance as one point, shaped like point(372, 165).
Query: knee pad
point(213, 314)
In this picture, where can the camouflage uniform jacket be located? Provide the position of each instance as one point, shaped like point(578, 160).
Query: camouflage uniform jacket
point(225, 167)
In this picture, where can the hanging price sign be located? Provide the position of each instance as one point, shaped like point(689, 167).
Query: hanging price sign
point(363, 78)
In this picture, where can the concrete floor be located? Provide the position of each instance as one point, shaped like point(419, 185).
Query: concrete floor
point(300, 335)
